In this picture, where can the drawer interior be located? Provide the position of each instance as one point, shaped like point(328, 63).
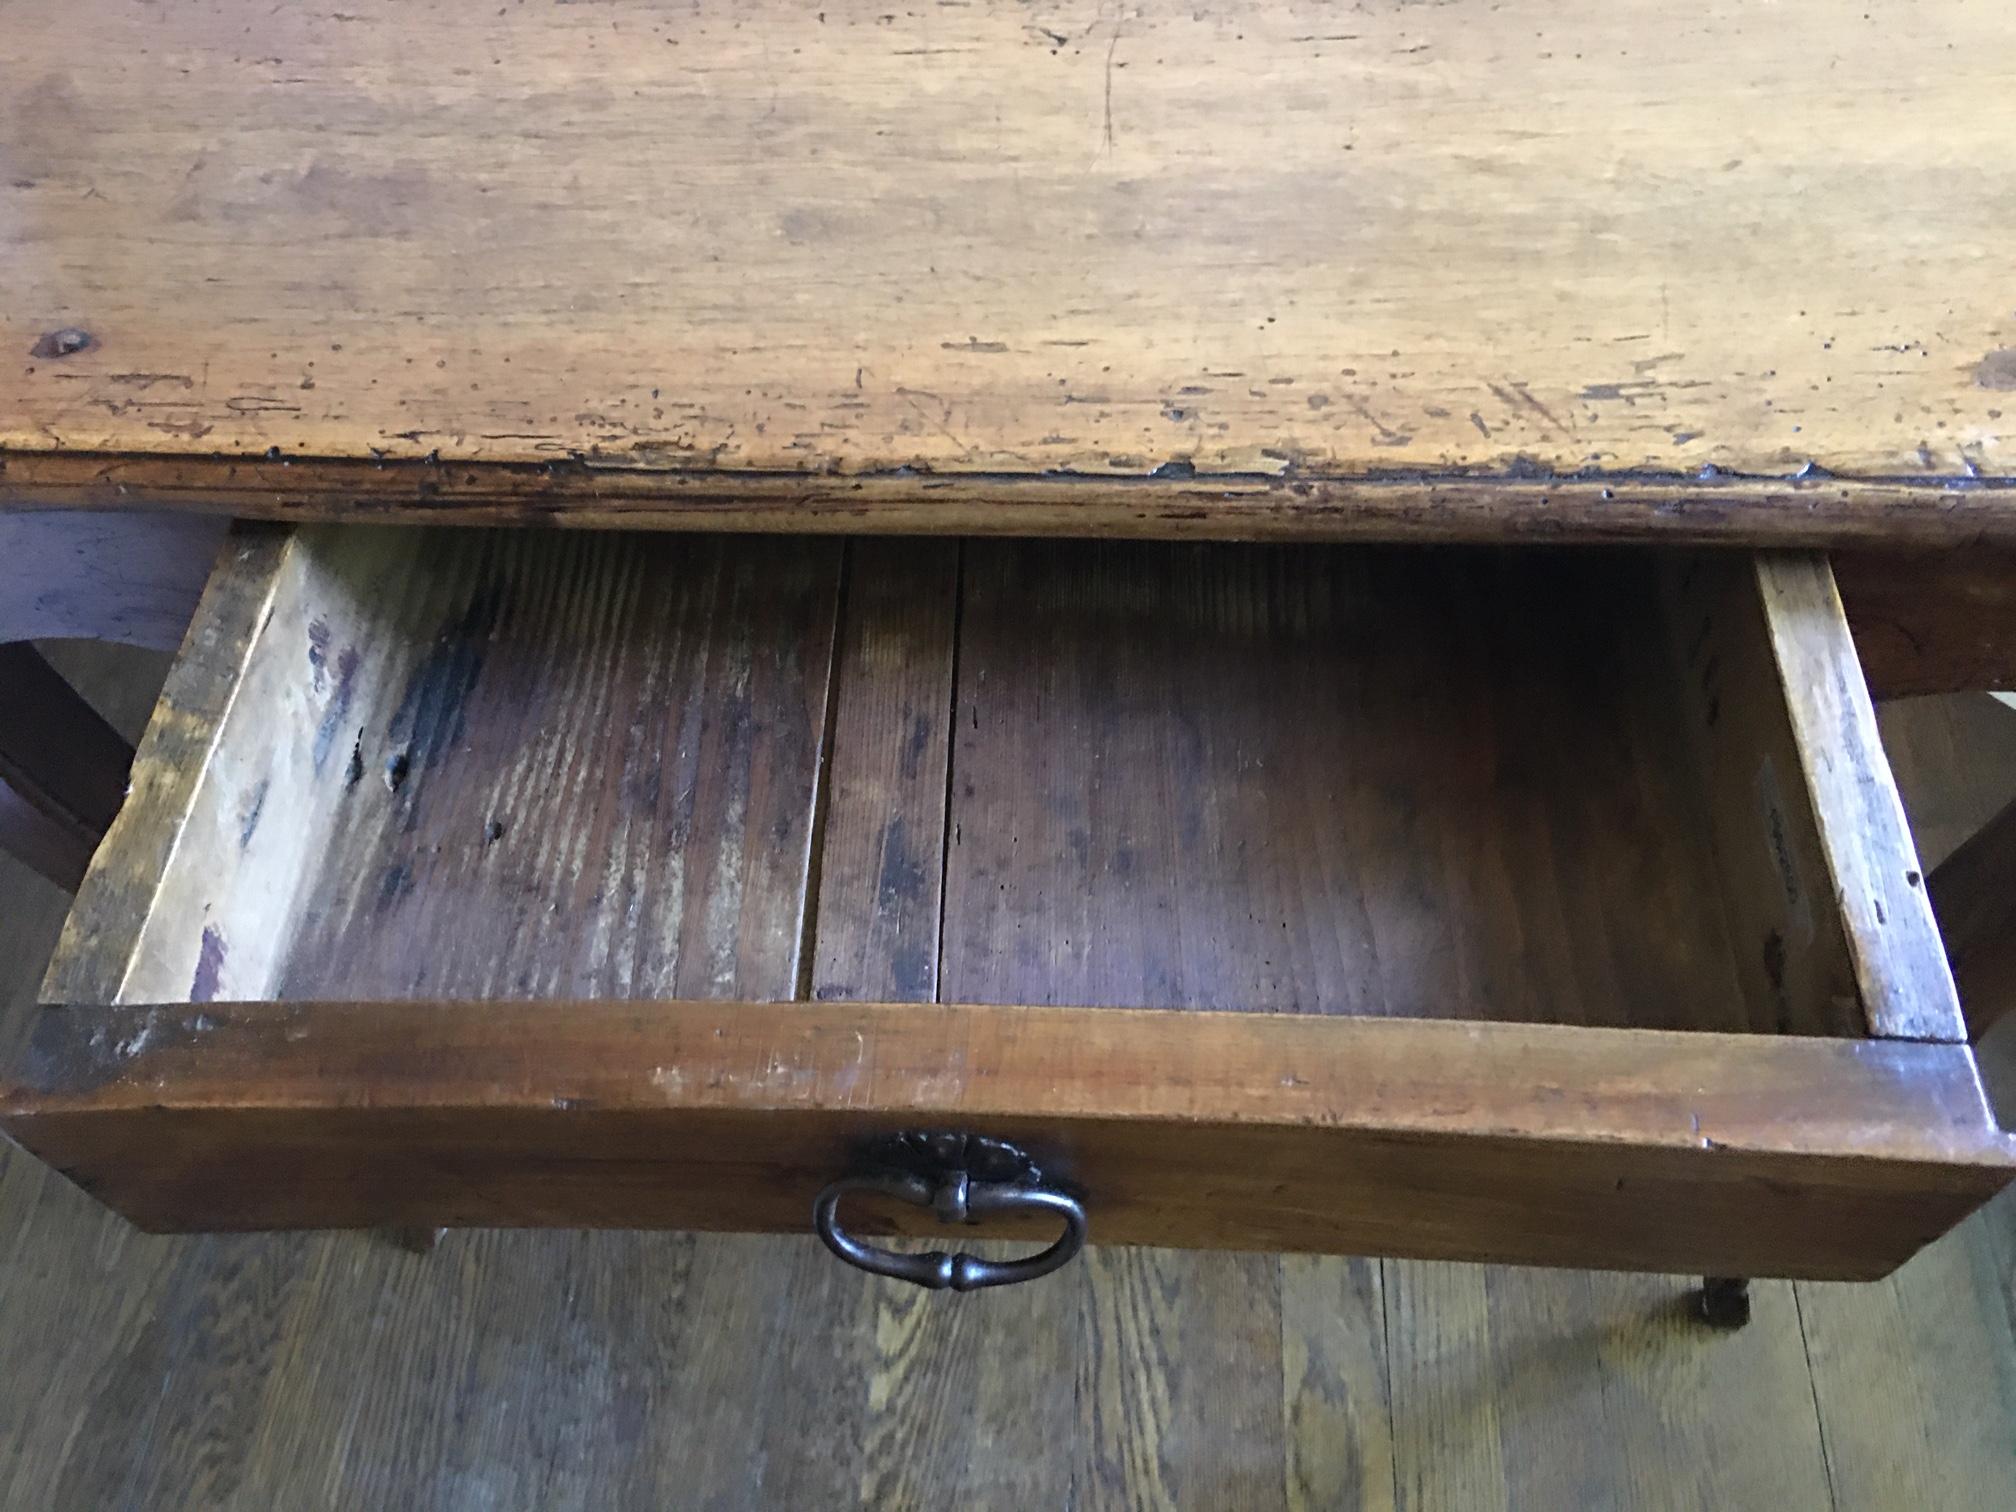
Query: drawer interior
point(1520, 785)
point(1557, 905)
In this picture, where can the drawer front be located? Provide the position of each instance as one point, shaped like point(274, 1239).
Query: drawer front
point(1553, 909)
point(1718, 1153)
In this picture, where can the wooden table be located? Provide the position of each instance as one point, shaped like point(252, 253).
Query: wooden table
point(1470, 277)
point(1555, 267)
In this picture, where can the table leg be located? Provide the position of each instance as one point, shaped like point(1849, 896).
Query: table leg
point(62, 769)
point(1723, 1301)
point(1974, 896)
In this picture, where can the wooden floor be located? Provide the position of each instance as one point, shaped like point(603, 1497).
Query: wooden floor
point(596, 1370)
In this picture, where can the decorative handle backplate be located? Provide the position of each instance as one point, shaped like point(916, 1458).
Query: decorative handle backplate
point(962, 1178)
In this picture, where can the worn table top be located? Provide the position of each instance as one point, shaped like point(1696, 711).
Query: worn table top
point(1473, 267)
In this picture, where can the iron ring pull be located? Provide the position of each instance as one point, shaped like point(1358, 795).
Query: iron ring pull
point(957, 1198)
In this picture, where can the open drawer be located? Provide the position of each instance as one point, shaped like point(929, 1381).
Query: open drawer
point(1550, 907)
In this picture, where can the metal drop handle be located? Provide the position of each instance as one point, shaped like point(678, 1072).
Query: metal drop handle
point(961, 1178)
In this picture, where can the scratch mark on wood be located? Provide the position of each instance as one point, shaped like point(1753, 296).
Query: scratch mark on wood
point(1519, 397)
point(1111, 48)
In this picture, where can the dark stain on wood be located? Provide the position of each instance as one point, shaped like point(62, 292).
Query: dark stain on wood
point(429, 716)
point(209, 966)
point(1997, 369)
point(1517, 499)
point(255, 804)
point(652, 762)
point(336, 716)
point(318, 650)
point(67, 341)
point(908, 884)
point(394, 884)
point(879, 883)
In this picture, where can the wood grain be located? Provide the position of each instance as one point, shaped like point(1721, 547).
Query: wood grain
point(1931, 622)
point(1878, 881)
point(1788, 938)
point(610, 757)
point(1758, 1155)
point(1460, 240)
point(116, 898)
point(882, 847)
point(1176, 1339)
point(1497, 808)
point(540, 1369)
point(1519, 1388)
point(491, 766)
point(1939, 1338)
point(1335, 1373)
point(483, 767)
point(906, 1359)
point(1173, 503)
point(1349, 782)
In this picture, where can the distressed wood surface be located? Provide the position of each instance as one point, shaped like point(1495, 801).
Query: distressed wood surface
point(535, 1369)
point(477, 768)
point(1519, 1388)
point(1878, 880)
point(118, 894)
point(1538, 1144)
point(997, 243)
point(1789, 942)
point(481, 766)
point(587, 769)
point(1490, 811)
point(881, 854)
point(1175, 503)
point(1194, 731)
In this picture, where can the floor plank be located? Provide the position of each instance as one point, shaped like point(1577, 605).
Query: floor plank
point(1915, 1377)
point(1338, 1419)
point(1518, 1388)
